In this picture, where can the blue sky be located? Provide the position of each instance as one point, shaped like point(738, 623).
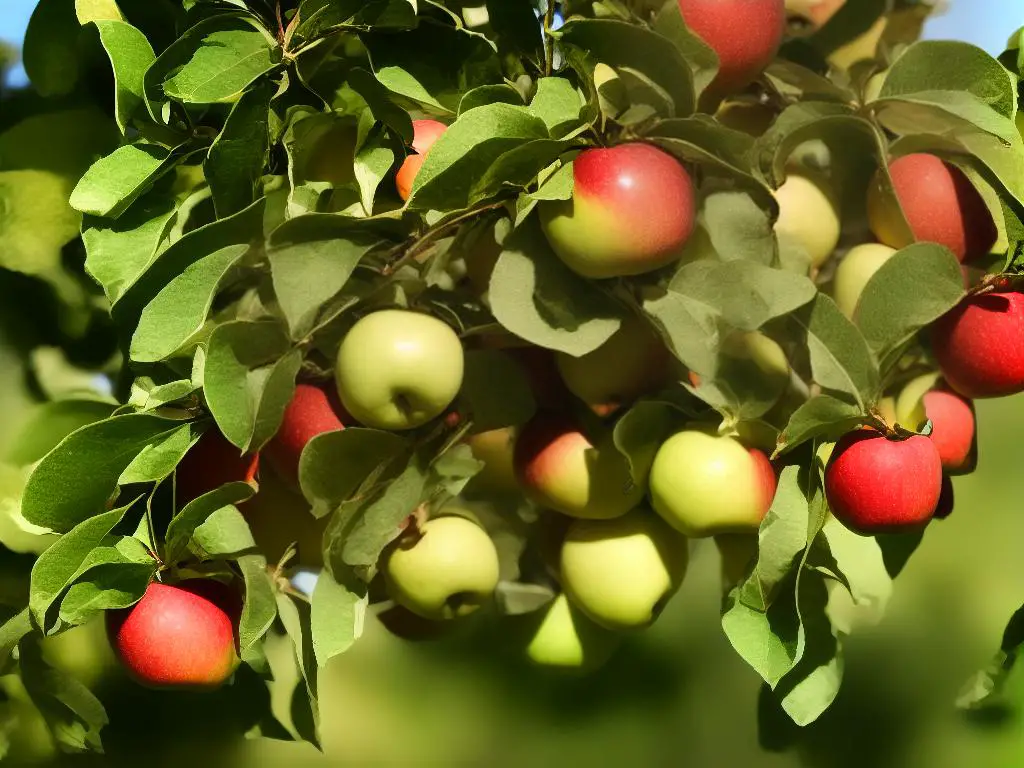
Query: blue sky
point(986, 23)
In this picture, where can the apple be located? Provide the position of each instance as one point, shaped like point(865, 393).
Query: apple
point(979, 345)
point(566, 639)
point(278, 517)
point(182, 636)
point(704, 484)
point(632, 210)
point(495, 449)
point(857, 267)
point(445, 569)
point(398, 369)
point(633, 362)
point(622, 572)
point(746, 35)
point(560, 468)
point(424, 134)
point(808, 214)
point(309, 413)
point(750, 117)
point(875, 484)
point(940, 205)
point(211, 463)
point(952, 419)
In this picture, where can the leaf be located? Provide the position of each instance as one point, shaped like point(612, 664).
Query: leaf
point(114, 182)
point(689, 326)
point(97, 10)
point(130, 56)
point(516, 28)
point(223, 534)
point(95, 456)
point(483, 95)
point(336, 619)
point(158, 459)
point(640, 432)
point(739, 226)
point(112, 584)
point(558, 104)
point(698, 55)
point(198, 511)
point(297, 621)
point(51, 48)
point(234, 164)
point(260, 607)
point(821, 416)
point(986, 687)
point(12, 631)
point(536, 297)
point(319, 17)
point(36, 222)
point(372, 163)
point(495, 392)
point(49, 423)
point(180, 310)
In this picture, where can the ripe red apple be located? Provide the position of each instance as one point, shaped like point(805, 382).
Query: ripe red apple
point(980, 345)
point(311, 411)
point(952, 428)
point(181, 636)
point(878, 485)
point(631, 212)
point(424, 134)
point(939, 202)
point(211, 463)
point(745, 34)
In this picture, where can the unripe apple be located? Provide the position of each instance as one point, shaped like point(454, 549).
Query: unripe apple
point(633, 362)
point(908, 408)
point(495, 449)
point(940, 205)
point(560, 468)
point(445, 569)
point(566, 639)
point(425, 133)
point(746, 35)
point(752, 118)
point(808, 214)
point(857, 267)
point(398, 369)
point(211, 463)
point(704, 484)
point(181, 636)
point(879, 485)
point(980, 345)
point(309, 413)
point(622, 572)
point(632, 210)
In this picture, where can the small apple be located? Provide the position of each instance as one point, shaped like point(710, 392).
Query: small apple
point(211, 463)
point(424, 134)
point(704, 484)
point(632, 210)
point(939, 203)
point(622, 572)
point(875, 484)
point(496, 450)
point(633, 362)
point(952, 419)
point(560, 468)
point(857, 267)
point(808, 214)
point(309, 413)
point(980, 345)
point(398, 369)
point(566, 639)
point(182, 636)
point(445, 569)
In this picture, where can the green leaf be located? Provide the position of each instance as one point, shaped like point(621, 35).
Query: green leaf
point(536, 297)
point(260, 607)
point(495, 392)
point(51, 51)
point(516, 28)
point(114, 182)
point(158, 459)
point(689, 326)
point(558, 104)
point(119, 581)
point(198, 511)
point(698, 55)
point(97, 10)
point(234, 165)
point(224, 63)
point(640, 432)
point(94, 456)
point(986, 687)
point(223, 534)
point(739, 225)
point(483, 95)
point(36, 221)
point(336, 619)
point(130, 56)
point(180, 310)
point(12, 631)
point(821, 416)
point(297, 621)
point(372, 163)
point(49, 423)
point(320, 17)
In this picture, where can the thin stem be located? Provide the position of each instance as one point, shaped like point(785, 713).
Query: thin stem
point(549, 41)
point(428, 237)
point(280, 22)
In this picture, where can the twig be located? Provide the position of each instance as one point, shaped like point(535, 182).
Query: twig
point(428, 237)
point(549, 41)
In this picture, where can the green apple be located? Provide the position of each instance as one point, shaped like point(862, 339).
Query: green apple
point(495, 449)
point(704, 484)
point(449, 568)
point(910, 411)
point(858, 266)
point(398, 369)
point(566, 639)
point(622, 572)
point(808, 214)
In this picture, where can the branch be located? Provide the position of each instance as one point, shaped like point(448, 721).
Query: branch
point(549, 41)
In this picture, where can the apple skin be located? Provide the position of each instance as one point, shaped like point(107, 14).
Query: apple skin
point(211, 463)
point(633, 209)
point(877, 485)
point(979, 345)
point(704, 484)
point(558, 467)
point(496, 450)
point(633, 362)
point(425, 133)
point(746, 35)
point(953, 426)
point(181, 636)
point(446, 570)
point(622, 572)
point(398, 369)
point(309, 413)
point(808, 214)
point(566, 639)
point(857, 267)
point(939, 202)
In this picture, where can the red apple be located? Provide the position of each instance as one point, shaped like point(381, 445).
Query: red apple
point(878, 485)
point(980, 345)
point(211, 463)
point(631, 212)
point(424, 134)
point(940, 205)
point(311, 412)
point(952, 428)
point(180, 636)
point(745, 34)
